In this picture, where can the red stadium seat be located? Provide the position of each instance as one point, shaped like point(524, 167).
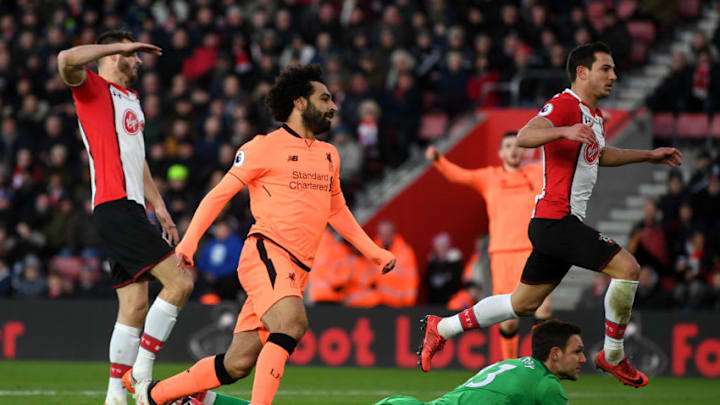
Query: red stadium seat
point(642, 31)
point(693, 125)
point(626, 8)
point(638, 52)
point(689, 8)
point(715, 126)
point(433, 125)
point(663, 125)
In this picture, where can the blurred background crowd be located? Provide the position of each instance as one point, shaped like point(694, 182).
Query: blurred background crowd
point(392, 66)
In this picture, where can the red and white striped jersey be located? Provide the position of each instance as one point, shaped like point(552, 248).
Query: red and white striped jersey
point(569, 167)
point(111, 124)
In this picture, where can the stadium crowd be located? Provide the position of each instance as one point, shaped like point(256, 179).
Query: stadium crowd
point(387, 64)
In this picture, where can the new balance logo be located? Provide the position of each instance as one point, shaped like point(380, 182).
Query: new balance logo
point(293, 158)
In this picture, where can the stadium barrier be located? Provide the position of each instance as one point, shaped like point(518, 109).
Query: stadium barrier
point(661, 343)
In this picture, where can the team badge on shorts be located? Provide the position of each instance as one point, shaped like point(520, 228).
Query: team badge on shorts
point(606, 239)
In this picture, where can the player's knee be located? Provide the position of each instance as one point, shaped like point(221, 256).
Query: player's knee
point(180, 287)
point(133, 313)
point(526, 308)
point(631, 270)
point(295, 328)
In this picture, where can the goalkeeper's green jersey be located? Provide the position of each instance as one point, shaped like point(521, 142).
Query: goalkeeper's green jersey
point(524, 381)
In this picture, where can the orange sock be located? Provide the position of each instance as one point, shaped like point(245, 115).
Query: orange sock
point(268, 373)
point(509, 347)
point(200, 377)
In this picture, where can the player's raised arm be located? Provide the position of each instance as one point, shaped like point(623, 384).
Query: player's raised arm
point(205, 215)
point(539, 131)
point(617, 157)
point(449, 170)
point(71, 62)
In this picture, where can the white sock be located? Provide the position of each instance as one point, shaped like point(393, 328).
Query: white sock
point(209, 398)
point(158, 325)
point(123, 351)
point(618, 305)
point(489, 311)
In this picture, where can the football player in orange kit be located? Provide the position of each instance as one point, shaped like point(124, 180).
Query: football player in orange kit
point(509, 192)
point(294, 185)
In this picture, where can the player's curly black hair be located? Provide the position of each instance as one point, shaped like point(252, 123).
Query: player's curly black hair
point(292, 83)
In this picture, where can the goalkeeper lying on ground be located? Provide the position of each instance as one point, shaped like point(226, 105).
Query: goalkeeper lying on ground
point(557, 354)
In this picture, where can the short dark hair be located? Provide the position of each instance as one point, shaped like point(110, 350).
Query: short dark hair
point(292, 83)
point(508, 135)
point(584, 55)
point(111, 37)
point(549, 334)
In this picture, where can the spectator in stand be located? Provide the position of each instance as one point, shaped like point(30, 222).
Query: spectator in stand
point(674, 92)
point(29, 280)
point(444, 272)
point(713, 296)
point(669, 204)
point(329, 275)
point(647, 240)
point(703, 83)
point(218, 260)
point(616, 35)
point(650, 293)
point(399, 288)
point(468, 296)
point(5, 279)
point(360, 289)
point(701, 174)
point(691, 286)
point(452, 84)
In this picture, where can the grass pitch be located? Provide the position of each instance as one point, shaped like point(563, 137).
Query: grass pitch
point(84, 383)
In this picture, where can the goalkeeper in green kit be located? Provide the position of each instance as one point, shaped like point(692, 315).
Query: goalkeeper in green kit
point(557, 354)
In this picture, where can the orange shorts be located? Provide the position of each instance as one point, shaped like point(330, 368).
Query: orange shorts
point(268, 274)
point(506, 269)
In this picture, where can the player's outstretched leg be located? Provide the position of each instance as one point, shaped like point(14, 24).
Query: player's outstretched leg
point(207, 373)
point(522, 302)
point(624, 269)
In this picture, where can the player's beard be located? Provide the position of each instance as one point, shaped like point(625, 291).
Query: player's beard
point(127, 70)
point(315, 120)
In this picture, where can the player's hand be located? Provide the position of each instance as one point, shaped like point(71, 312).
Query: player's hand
point(581, 133)
point(432, 154)
point(133, 47)
point(169, 230)
point(184, 257)
point(387, 261)
point(668, 156)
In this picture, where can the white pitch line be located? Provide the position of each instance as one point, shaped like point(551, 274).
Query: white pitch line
point(309, 392)
point(24, 393)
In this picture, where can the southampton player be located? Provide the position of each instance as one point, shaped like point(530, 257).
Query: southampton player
point(111, 124)
point(294, 185)
point(509, 192)
point(569, 127)
point(557, 354)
